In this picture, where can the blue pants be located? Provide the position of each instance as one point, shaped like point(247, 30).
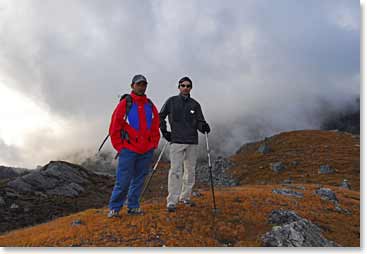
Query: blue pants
point(131, 171)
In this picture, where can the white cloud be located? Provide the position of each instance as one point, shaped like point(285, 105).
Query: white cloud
point(248, 60)
point(344, 15)
point(20, 116)
point(30, 134)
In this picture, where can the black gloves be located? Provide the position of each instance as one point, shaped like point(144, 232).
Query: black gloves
point(206, 128)
point(167, 135)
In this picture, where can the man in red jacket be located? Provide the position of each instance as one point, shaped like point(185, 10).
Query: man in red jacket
point(134, 135)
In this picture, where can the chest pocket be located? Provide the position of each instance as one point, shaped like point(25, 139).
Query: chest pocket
point(191, 113)
point(191, 116)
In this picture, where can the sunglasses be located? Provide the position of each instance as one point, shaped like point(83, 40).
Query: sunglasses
point(142, 83)
point(183, 86)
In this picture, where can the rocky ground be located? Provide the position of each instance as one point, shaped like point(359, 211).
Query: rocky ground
point(247, 216)
point(297, 188)
point(57, 189)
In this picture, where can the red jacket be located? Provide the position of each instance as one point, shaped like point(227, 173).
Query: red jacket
point(141, 125)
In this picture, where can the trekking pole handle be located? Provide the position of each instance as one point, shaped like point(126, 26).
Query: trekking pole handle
point(207, 149)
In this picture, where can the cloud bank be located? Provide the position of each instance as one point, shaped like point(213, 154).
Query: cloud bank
point(258, 68)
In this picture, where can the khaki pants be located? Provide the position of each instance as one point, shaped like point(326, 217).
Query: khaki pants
point(181, 177)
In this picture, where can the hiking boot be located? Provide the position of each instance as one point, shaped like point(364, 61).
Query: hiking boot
point(188, 202)
point(113, 214)
point(171, 208)
point(134, 211)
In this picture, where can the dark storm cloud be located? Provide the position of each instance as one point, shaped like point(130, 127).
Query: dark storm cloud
point(257, 67)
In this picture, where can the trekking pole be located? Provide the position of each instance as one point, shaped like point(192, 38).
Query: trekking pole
point(210, 173)
point(154, 169)
point(104, 141)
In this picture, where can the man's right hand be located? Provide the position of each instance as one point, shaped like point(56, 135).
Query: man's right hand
point(167, 135)
point(206, 128)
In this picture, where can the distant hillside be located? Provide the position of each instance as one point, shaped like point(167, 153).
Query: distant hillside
point(300, 155)
point(10, 172)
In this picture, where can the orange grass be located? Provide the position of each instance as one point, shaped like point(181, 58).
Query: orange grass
point(242, 221)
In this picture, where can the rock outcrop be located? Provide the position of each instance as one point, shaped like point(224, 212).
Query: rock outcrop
point(55, 190)
point(294, 231)
point(221, 177)
point(287, 192)
point(10, 172)
point(56, 178)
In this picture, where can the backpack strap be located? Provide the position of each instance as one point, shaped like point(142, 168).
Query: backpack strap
point(129, 103)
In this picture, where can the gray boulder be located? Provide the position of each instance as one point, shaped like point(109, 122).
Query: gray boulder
point(221, 177)
point(300, 233)
point(280, 217)
point(264, 149)
point(66, 172)
point(20, 185)
point(345, 184)
point(197, 194)
point(327, 194)
point(10, 172)
point(293, 231)
point(339, 209)
point(288, 192)
point(55, 190)
point(293, 186)
point(39, 181)
point(294, 163)
point(56, 178)
point(287, 181)
point(277, 167)
point(69, 190)
point(326, 169)
point(77, 222)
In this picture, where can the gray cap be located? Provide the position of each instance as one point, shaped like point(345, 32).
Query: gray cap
point(139, 78)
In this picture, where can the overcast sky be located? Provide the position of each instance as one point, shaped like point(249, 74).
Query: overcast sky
point(258, 67)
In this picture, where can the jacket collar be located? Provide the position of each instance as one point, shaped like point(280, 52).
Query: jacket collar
point(184, 97)
point(137, 98)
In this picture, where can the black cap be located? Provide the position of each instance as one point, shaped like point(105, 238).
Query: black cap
point(185, 79)
point(139, 78)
